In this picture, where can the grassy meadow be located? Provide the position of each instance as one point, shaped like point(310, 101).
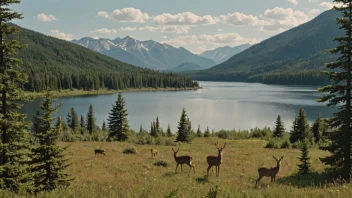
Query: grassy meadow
point(134, 175)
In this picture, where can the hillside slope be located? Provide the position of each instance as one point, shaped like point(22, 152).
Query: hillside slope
point(186, 67)
point(222, 54)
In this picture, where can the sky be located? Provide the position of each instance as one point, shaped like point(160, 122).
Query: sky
point(197, 25)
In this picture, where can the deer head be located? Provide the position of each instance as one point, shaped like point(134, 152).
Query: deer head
point(220, 148)
point(278, 161)
point(175, 152)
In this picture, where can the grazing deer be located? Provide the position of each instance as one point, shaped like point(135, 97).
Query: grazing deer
point(154, 152)
point(99, 151)
point(186, 159)
point(215, 160)
point(269, 172)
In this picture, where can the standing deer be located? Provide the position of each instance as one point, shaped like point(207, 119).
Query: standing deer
point(215, 160)
point(99, 151)
point(154, 152)
point(269, 172)
point(186, 159)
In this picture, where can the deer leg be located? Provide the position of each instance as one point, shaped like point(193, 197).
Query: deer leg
point(209, 167)
point(176, 168)
point(258, 180)
point(190, 168)
point(274, 178)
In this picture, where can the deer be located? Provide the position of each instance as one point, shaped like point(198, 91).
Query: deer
point(154, 152)
point(215, 160)
point(186, 159)
point(99, 151)
point(269, 172)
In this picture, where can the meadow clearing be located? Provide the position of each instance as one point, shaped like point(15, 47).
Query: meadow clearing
point(134, 175)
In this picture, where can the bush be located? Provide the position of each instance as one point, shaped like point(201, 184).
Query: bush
point(286, 144)
point(131, 150)
point(273, 143)
point(297, 145)
point(170, 142)
point(161, 163)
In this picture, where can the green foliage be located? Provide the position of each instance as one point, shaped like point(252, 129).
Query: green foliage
point(300, 129)
point(318, 128)
point(103, 127)
point(279, 128)
point(286, 144)
point(154, 130)
point(264, 133)
point(91, 125)
point(72, 119)
point(184, 134)
point(117, 121)
point(214, 192)
point(161, 163)
point(207, 132)
point(168, 132)
point(305, 165)
point(82, 122)
point(130, 150)
point(273, 143)
point(48, 160)
point(14, 141)
point(199, 132)
point(339, 94)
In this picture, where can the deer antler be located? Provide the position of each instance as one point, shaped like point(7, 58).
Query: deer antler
point(275, 158)
point(224, 145)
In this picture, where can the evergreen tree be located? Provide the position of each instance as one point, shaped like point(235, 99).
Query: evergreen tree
point(340, 94)
point(153, 129)
point(72, 119)
point(103, 127)
point(207, 132)
point(183, 133)
point(82, 122)
point(49, 162)
point(318, 128)
point(305, 165)
point(300, 129)
point(91, 125)
point(157, 125)
point(59, 124)
point(117, 122)
point(14, 141)
point(279, 128)
point(140, 130)
point(199, 132)
point(168, 132)
point(35, 121)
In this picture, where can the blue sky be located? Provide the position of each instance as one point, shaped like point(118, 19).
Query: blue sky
point(197, 25)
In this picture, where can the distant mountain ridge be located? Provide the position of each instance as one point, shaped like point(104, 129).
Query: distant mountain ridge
point(149, 54)
point(185, 67)
point(222, 54)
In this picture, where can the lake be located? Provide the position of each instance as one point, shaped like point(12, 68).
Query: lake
point(219, 105)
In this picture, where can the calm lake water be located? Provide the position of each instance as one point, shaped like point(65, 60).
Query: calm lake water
point(219, 105)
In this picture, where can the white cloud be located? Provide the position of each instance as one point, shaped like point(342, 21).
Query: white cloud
point(126, 15)
point(240, 19)
point(314, 11)
point(294, 2)
point(167, 29)
point(329, 5)
point(61, 35)
point(186, 18)
point(46, 17)
point(127, 29)
point(104, 31)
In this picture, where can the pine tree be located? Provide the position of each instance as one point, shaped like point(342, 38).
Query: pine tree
point(140, 130)
point(117, 122)
point(305, 165)
point(199, 132)
point(318, 128)
point(207, 132)
point(49, 162)
point(91, 125)
point(340, 94)
point(168, 132)
point(59, 124)
point(35, 126)
point(300, 129)
point(153, 129)
point(82, 122)
point(279, 128)
point(72, 119)
point(157, 125)
point(14, 141)
point(183, 133)
point(103, 127)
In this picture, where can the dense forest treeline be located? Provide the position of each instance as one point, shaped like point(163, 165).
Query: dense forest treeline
point(57, 64)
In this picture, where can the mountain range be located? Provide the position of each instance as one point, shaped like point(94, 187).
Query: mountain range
point(293, 57)
point(148, 54)
point(222, 54)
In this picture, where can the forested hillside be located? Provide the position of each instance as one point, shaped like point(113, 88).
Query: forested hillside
point(293, 57)
point(58, 64)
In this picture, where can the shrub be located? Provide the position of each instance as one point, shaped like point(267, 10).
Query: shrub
point(273, 143)
point(161, 163)
point(297, 145)
point(286, 144)
point(131, 150)
point(170, 142)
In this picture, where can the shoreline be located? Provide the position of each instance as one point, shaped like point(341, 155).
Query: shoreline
point(77, 92)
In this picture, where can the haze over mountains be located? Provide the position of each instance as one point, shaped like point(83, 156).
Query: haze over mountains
point(222, 54)
point(149, 54)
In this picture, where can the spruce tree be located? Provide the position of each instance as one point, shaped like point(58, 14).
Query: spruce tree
point(305, 165)
point(59, 124)
point(157, 125)
point(48, 159)
point(318, 128)
point(183, 133)
point(279, 128)
point(82, 122)
point(91, 125)
point(207, 132)
point(168, 132)
point(300, 129)
point(199, 132)
point(14, 141)
point(117, 121)
point(153, 129)
point(103, 127)
point(140, 130)
point(72, 119)
point(339, 94)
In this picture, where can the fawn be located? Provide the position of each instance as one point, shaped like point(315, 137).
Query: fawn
point(269, 172)
point(215, 160)
point(99, 151)
point(154, 152)
point(186, 159)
